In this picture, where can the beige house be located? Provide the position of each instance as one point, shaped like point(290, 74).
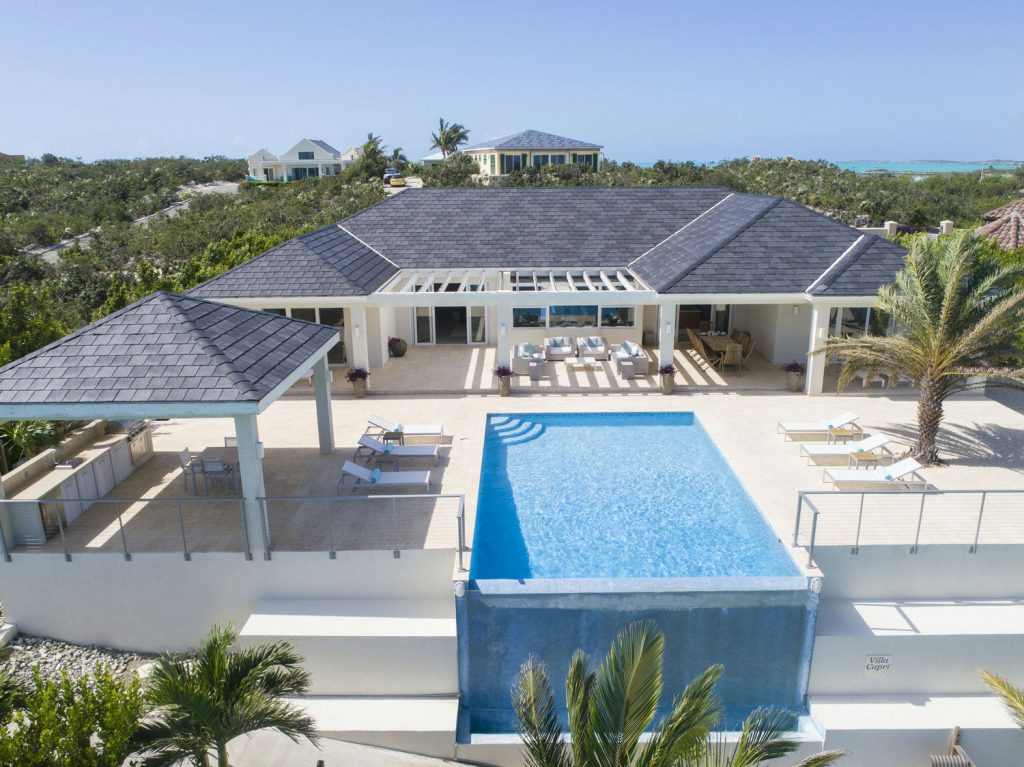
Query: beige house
point(500, 156)
point(309, 158)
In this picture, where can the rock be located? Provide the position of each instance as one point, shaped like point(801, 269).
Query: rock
point(52, 657)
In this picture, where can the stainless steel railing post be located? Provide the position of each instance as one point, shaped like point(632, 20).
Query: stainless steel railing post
point(860, 518)
point(977, 531)
point(60, 526)
point(184, 540)
point(799, 509)
point(814, 535)
point(124, 539)
point(920, 519)
point(462, 533)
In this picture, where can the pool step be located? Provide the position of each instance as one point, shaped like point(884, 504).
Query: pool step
point(365, 647)
point(921, 647)
point(516, 431)
point(419, 725)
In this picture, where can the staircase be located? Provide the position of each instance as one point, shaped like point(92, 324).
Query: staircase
point(514, 430)
point(384, 672)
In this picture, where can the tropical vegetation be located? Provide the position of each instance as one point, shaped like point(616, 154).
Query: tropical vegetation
point(449, 137)
point(959, 317)
point(1011, 695)
point(88, 722)
point(610, 708)
point(201, 702)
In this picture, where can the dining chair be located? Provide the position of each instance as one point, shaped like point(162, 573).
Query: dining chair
point(733, 356)
point(748, 352)
point(189, 468)
point(705, 326)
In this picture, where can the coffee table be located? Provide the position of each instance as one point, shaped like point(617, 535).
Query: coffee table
point(581, 362)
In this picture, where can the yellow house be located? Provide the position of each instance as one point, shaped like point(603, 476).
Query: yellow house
point(500, 156)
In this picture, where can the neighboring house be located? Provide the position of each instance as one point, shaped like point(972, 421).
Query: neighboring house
point(12, 157)
point(500, 156)
point(504, 266)
point(307, 159)
point(1005, 225)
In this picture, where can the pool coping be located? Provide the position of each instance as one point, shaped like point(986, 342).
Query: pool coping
point(689, 585)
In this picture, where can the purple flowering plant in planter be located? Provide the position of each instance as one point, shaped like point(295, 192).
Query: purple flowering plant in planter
point(357, 374)
point(503, 371)
point(667, 370)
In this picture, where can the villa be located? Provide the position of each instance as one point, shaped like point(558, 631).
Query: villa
point(418, 544)
point(504, 267)
point(527, 149)
point(309, 158)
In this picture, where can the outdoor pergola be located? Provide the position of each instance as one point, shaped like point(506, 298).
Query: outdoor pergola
point(172, 356)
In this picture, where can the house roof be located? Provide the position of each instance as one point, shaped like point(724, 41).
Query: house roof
point(533, 139)
point(324, 145)
point(677, 240)
point(164, 349)
point(325, 262)
point(1017, 206)
point(1007, 232)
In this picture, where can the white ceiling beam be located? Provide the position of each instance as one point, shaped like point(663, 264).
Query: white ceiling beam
point(586, 279)
point(623, 281)
point(554, 285)
point(410, 285)
point(444, 285)
point(428, 284)
point(607, 282)
point(463, 283)
point(571, 279)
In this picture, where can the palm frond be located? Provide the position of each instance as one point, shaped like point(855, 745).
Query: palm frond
point(763, 737)
point(538, 724)
point(579, 695)
point(683, 734)
point(627, 693)
point(1012, 696)
point(821, 759)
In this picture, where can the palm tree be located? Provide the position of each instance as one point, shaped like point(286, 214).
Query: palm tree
point(958, 316)
point(609, 709)
point(202, 702)
point(449, 137)
point(373, 150)
point(1012, 697)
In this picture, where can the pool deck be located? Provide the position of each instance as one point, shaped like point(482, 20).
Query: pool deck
point(982, 439)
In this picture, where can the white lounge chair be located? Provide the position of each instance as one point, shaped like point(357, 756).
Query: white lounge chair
point(384, 450)
point(362, 477)
point(814, 451)
point(596, 347)
point(391, 430)
point(846, 420)
point(900, 474)
point(559, 348)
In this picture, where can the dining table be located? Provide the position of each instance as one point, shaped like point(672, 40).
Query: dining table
point(226, 455)
point(720, 344)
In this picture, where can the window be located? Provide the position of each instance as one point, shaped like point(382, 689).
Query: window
point(586, 159)
point(573, 317)
point(492, 164)
point(333, 318)
point(275, 311)
point(305, 155)
point(558, 159)
point(309, 315)
point(511, 162)
point(618, 316)
point(540, 160)
point(530, 317)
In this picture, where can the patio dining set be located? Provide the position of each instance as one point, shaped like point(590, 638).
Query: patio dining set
point(214, 464)
point(721, 350)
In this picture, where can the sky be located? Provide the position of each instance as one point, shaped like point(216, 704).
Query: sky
point(703, 81)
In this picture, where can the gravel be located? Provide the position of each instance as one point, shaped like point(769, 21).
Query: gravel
point(52, 657)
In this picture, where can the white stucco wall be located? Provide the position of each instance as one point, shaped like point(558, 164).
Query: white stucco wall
point(160, 602)
point(779, 335)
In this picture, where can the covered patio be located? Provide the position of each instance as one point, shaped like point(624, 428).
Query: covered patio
point(170, 356)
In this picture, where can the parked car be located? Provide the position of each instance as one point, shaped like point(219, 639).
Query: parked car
point(397, 180)
point(388, 174)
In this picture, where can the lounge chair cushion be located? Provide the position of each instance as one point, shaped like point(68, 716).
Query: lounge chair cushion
point(375, 477)
point(388, 447)
point(630, 348)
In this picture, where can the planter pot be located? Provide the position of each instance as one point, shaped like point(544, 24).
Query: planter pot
point(398, 348)
point(668, 384)
point(359, 388)
point(504, 386)
point(795, 381)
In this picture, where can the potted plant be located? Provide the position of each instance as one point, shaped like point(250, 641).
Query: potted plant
point(668, 378)
point(504, 375)
point(794, 375)
point(357, 377)
point(397, 347)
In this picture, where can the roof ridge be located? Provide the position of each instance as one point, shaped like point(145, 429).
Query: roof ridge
point(856, 249)
point(237, 378)
point(677, 231)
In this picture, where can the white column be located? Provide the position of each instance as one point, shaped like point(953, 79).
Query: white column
point(666, 333)
point(360, 356)
point(815, 380)
point(503, 355)
point(322, 392)
point(250, 469)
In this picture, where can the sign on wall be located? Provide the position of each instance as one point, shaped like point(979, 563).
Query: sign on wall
point(877, 666)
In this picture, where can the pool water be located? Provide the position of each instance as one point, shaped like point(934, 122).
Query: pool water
point(615, 495)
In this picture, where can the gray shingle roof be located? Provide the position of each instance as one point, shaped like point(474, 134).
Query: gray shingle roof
point(325, 262)
point(166, 348)
point(325, 146)
point(534, 139)
point(526, 228)
point(678, 240)
point(786, 250)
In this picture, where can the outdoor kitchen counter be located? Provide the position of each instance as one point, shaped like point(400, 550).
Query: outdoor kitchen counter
point(44, 485)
